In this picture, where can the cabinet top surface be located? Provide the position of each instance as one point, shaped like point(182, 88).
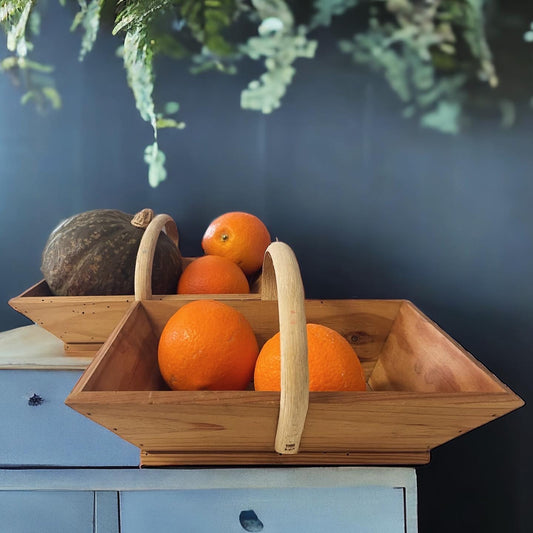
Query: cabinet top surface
point(32, 347)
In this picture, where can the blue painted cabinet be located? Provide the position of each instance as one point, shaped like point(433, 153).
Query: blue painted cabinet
point(33, 511)
point(59, 472)
point(42, 430)
point(313, 510)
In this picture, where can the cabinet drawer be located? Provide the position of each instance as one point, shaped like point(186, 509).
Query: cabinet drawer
point(39, 429)
point(371, 509)
point(46, 512)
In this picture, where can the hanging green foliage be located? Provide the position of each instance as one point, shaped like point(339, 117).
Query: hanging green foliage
point(429, 52)
point(280, 43)
point(89, 18)
point(21, 22)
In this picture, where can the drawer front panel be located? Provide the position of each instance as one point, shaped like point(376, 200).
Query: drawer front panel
point(313, 510)
point(46, 512)
point(39, 429)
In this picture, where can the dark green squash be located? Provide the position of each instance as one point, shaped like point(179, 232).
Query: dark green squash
point(94, 253)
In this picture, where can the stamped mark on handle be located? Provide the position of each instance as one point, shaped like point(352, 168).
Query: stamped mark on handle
point(249, 521)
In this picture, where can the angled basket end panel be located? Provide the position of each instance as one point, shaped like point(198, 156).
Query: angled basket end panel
point(73, 319)
point(120, 376)
point(31, 301)
point(127, 361)
point(41, 288)
point(419, 357)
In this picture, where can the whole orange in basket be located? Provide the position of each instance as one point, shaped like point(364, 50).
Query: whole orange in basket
point(212, 274)
point(239, 236)
point(207, 345)
point(333, 363)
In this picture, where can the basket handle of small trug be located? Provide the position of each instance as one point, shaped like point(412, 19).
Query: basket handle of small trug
point(281, 281)
point(146, 251)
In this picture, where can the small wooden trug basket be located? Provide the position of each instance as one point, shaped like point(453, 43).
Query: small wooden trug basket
point(423, 388)
point(83, 323)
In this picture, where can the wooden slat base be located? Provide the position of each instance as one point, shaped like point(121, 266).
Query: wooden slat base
point(77, 349)
point(162, 458)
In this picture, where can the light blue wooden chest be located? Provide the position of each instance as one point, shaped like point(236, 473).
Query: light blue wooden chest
point(59, 472)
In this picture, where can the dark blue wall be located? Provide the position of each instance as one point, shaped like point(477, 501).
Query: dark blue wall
point(373, 206)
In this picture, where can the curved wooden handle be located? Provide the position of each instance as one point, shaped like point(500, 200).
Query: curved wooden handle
point(282, 281)
point(145, 254)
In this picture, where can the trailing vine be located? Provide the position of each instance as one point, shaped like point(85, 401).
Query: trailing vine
point(428, 51)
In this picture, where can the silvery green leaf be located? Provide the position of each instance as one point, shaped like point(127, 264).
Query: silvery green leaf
point(25, 63)
point(447, 89)
point(508, 113)
point(8, 63)
point(26, 97)
point(169, 123)
point(171, 108)
point(35, 23)
point(280, 50)
point(474, 34)
point(53, 96)
point(445, 118)
point(325, 10)
point(275, 9)
point(89, 18)
point(155, 159)
point(270, 25)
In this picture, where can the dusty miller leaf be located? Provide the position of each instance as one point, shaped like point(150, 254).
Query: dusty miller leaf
point(445, 117)
point(155, 159)
point(34, 23)
point(473, 23)
point(280, 51)
point(137, 54)
point(403, 51)
point(325, 10)
point(171, 108)
point(281, 44)
point(53, 96)
point(163, 122)
point(274, 9)
point(20, 18)
point(371, 48)
point(89, 18)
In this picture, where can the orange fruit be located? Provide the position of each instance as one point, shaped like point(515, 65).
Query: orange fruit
point(333, 363)
point(239, 236)
point(207, 345)
point(212, 274)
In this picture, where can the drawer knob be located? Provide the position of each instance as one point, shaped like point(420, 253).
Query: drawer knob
point(35, 400)
point(249, 521)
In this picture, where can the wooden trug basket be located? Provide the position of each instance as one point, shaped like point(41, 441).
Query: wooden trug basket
point(83, 323)
point(423, 388)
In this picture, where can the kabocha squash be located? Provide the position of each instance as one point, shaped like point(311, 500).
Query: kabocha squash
point(94, 253)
